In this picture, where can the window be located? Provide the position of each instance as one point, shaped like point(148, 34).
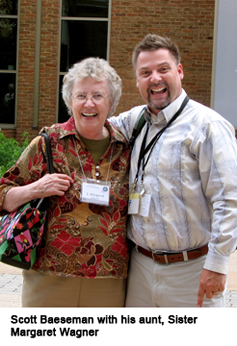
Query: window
point(8, 61)
point(84, 33)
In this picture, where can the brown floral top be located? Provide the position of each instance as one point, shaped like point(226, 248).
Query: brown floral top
point(80, 239)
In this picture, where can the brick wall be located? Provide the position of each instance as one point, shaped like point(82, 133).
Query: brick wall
point(48, 65)
point(26, 67)
point(49, 62)
point(188, 22)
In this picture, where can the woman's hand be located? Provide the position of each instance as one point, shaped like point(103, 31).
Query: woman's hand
point(52, 184)
point(48, 185)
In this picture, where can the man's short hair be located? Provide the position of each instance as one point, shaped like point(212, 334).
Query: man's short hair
point(153, 42)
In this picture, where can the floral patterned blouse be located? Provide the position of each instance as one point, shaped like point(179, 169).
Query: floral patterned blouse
point(80, 239)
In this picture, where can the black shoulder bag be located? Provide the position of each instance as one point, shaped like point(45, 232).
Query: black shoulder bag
point(21, 231)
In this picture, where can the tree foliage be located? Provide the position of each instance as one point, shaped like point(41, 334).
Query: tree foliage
point(10, 150)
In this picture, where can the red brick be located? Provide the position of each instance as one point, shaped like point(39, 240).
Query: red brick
point(189, 23)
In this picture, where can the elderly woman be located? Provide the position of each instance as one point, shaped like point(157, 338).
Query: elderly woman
point(85, 236)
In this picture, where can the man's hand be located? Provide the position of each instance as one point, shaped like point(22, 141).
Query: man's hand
point(211, 284)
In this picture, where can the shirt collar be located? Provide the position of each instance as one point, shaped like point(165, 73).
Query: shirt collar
point(68, 128)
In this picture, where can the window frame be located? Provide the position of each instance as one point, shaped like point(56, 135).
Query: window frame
point(62, 18)
point(17, 17)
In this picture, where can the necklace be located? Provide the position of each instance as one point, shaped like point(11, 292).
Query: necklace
point(77, 152)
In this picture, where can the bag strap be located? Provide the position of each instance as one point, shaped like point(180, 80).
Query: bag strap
point(48, 152)
point(137, 129)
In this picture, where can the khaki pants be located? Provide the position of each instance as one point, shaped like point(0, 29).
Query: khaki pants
point(151, 284)
point(40, 290)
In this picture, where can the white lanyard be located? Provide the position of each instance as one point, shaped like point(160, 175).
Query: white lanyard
point(94, 191)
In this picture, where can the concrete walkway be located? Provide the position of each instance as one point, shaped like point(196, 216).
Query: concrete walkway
point(11, 284)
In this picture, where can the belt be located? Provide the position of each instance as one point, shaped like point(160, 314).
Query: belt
point(166, 258)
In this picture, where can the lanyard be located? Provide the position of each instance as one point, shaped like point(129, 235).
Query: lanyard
point(111, 155)
point(144, 149)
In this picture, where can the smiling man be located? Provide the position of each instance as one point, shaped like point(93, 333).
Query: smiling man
point(159, 77)
point(183, 193)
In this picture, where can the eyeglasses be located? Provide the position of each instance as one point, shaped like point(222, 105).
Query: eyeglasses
point(96, 97)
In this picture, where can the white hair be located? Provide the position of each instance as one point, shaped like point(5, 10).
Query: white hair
point(99, 70)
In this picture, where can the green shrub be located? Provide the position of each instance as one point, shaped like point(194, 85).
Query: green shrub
point(10, 150)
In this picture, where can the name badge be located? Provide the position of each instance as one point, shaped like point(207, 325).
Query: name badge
point(133, 205)
point(139, 205)
point(145, 205)
point(95, 191)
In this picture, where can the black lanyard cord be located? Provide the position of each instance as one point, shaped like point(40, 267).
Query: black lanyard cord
point(144, 150)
